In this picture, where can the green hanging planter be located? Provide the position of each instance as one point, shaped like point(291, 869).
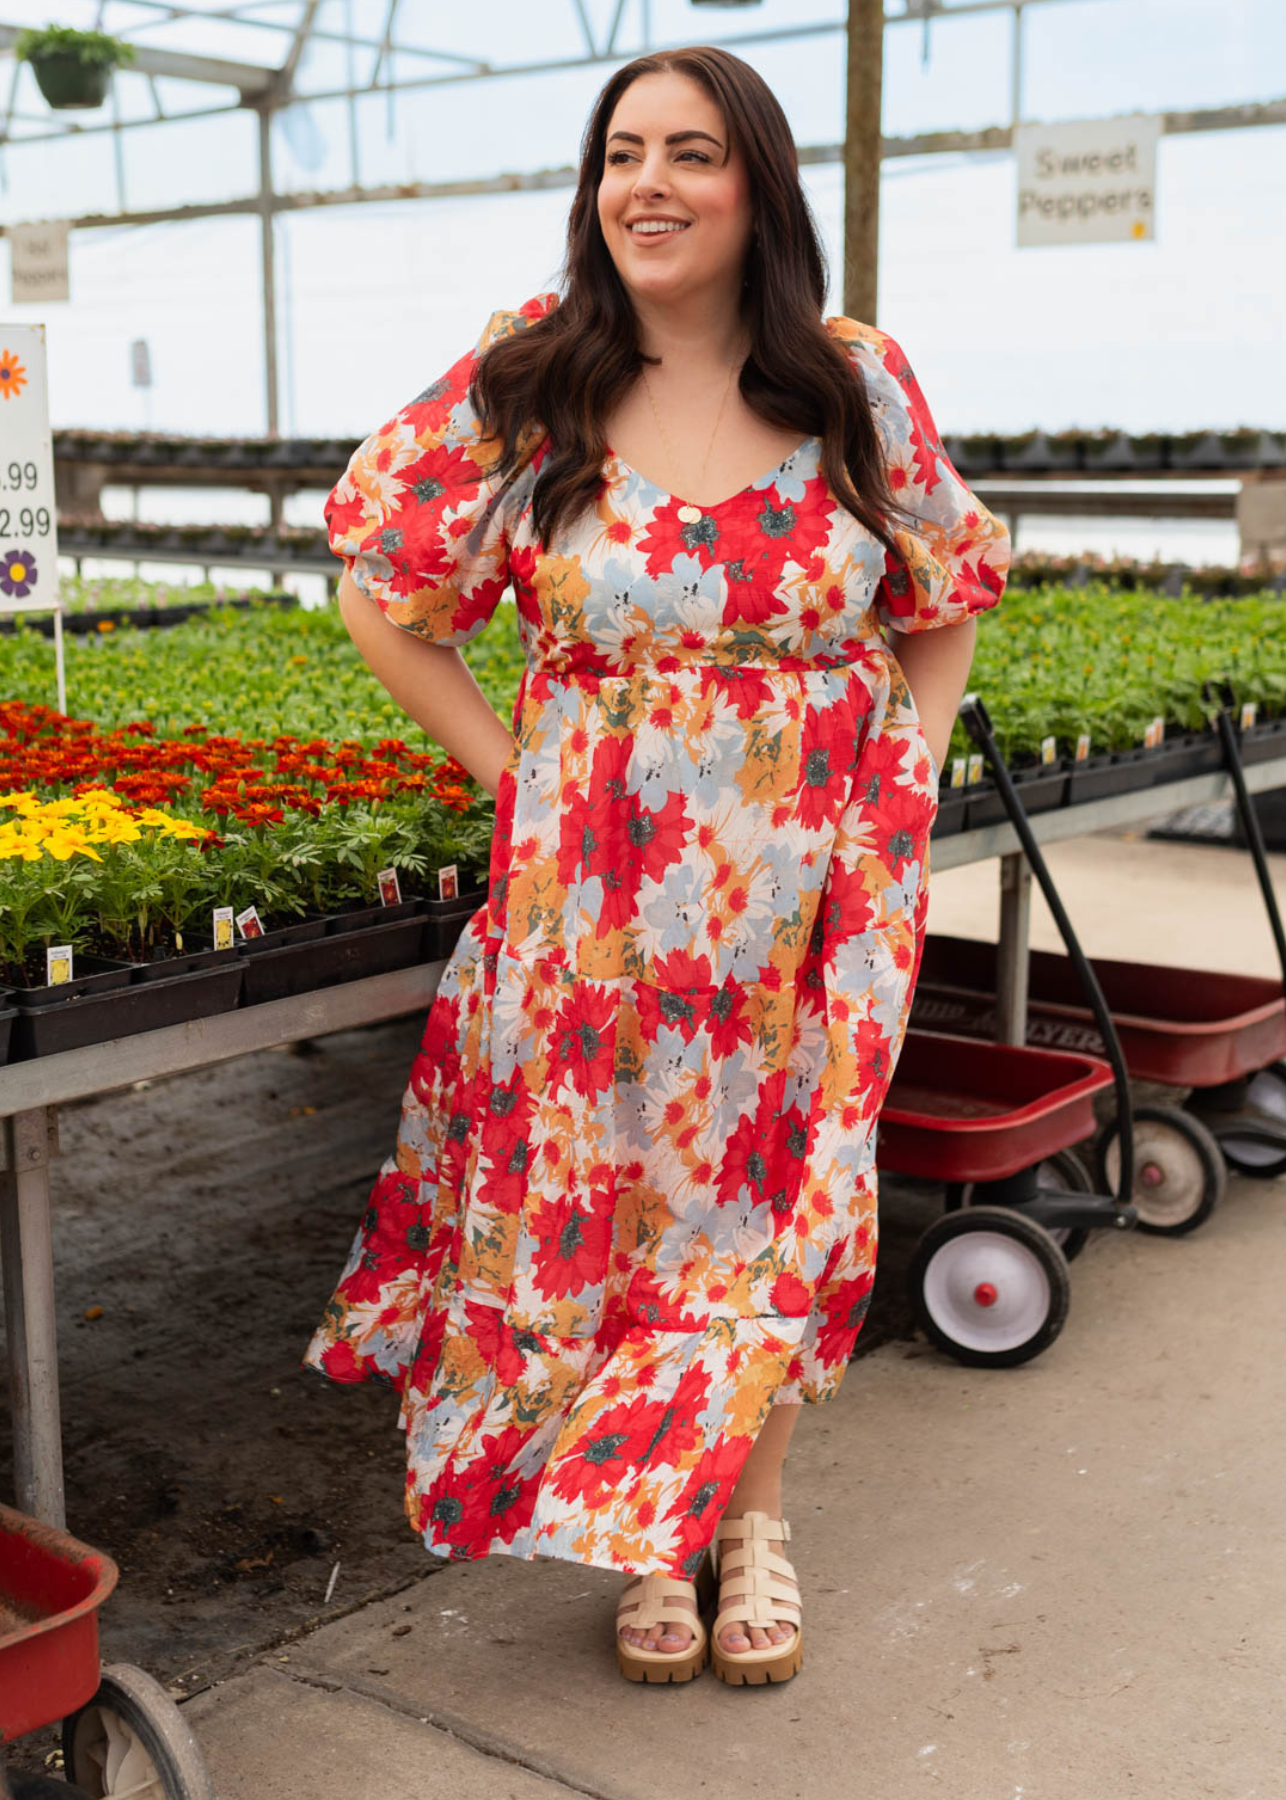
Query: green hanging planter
point(73, 69)
point(66, 82)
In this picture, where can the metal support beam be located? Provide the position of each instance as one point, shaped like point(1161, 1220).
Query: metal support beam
point(863, 145)
point(267, 258)
point(1011, 954)
point(27, 1141)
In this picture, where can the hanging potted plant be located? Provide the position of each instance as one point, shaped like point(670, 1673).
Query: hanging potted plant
point(72, 68)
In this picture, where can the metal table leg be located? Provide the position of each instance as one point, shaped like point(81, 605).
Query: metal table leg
point(1011, 953)
point(27, 1142)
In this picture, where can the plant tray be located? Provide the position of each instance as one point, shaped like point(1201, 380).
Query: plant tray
point(1262, 742)
point(7, 1016)
point(183, 962)
point(1116, 772)
point(360, 918)
point(950, 816)
point(447, 919)
point(70, 1024)
point(98, 975)
point(282, 970)
point(1040, 789)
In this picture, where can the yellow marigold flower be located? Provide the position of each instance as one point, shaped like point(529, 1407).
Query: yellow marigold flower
point(67, 841)
point(16, 848)
point(17, 798)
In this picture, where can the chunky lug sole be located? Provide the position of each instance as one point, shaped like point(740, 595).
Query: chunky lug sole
point(759, 1577)
point(657, 1598)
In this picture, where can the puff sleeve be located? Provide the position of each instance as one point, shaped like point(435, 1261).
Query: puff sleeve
point(417, 519)
point(954, 557)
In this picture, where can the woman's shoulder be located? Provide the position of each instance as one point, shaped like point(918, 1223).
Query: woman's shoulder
point(860, 339)
point(507, 321)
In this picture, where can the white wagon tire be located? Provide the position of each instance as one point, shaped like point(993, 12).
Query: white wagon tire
point(1179, 1173)
point(989, 1286)
point(131, 1739)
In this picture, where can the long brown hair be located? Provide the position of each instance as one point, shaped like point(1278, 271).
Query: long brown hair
point(566, 371)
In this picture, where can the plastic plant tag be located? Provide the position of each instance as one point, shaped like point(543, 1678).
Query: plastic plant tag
point(1249, 713)
point(1154, 734)
point(1049, 750)
point(958, 766)
point(390, 887)
point(58, 961)
point(1083, 747)
point(248, 921)
point(223, 934)
point(975, 767)
point(448, 882)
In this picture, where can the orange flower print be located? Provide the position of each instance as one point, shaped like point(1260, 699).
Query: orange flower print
point(13, 376)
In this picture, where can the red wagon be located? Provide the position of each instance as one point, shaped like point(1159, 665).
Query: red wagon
point(122, 1734)
point(989, 1281)
point(1221, 1037)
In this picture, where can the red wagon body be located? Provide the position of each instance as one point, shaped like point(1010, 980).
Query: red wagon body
point(51, 1587)
point(1181, 1027)
point(959, 1111)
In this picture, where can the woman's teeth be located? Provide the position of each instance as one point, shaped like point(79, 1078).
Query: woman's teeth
point(647, 228)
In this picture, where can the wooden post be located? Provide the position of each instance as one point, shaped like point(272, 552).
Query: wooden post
point(862, 153)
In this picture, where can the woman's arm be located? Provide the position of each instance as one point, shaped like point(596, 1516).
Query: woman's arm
point(432, 684)
point(936, 665)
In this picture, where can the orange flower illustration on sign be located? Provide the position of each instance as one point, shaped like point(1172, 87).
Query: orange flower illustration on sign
point(13, 377)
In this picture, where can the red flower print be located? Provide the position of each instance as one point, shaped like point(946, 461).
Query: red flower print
point(584, 1041)
point(790, 1296)
point(573, 1242)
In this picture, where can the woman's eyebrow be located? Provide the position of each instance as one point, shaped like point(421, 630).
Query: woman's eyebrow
point(675, 137)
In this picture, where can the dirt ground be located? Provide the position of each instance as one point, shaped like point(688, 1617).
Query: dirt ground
point(209, 1217)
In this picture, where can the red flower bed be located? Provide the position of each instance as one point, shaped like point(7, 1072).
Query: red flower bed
point(255, 780)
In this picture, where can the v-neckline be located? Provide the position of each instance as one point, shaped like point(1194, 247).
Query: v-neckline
point(715, 505)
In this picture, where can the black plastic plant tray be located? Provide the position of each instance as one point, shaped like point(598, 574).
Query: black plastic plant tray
point(1115, 772)
point(1262, 742)
point(1040, 789)
point(123, 1012)
point(183, 962)
point(950, 816)
point(1194, 753)
point(297, 968)
point(359, 918)
point(7, 1016)
point(447, 919)
point(95, 975)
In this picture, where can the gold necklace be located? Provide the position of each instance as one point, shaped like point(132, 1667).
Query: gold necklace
point(688, 512)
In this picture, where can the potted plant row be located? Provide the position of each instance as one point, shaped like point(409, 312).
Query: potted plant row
point(138, 915)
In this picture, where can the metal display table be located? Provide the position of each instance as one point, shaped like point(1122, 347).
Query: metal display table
point(30, 1092)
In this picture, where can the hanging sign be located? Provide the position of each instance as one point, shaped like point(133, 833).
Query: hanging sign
point(1088, 181)
point(28, 520)
point(38, 267)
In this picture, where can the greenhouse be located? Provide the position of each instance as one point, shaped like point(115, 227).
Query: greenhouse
point(480, 922)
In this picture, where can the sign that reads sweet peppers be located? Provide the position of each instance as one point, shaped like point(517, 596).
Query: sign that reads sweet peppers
point(1090, 181)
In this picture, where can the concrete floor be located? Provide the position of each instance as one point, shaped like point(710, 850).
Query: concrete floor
point(1063, 1581)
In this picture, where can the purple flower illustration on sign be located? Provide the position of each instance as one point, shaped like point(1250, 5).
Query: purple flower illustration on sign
point(17, 573)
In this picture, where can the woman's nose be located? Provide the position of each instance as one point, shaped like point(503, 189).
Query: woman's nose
point(651, 180)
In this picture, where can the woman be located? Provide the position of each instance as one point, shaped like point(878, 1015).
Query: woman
point(630, 1224)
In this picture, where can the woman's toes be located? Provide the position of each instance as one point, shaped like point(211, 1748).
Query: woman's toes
point(735, 1639)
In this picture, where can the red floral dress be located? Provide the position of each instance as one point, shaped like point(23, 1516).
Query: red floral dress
point(633, 1198)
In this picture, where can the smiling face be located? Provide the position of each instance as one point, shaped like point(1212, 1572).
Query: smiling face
point(674, 198)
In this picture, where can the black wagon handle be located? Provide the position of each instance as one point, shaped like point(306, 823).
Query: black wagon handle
point(1218, 695)
point(977, 723)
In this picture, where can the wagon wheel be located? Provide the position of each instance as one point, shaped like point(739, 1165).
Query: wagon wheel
point(989, 1286)
point(1266, 1096)
point(1063, 1170)
point(1179, 1175)
point(132, 1739)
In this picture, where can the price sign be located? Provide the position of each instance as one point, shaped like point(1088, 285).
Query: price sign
point(28, 518)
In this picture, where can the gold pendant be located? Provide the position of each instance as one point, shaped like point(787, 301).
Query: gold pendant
point(690, 514)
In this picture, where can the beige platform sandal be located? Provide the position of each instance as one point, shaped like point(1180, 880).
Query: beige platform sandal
point(654, 1599)
point(756, 1581)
